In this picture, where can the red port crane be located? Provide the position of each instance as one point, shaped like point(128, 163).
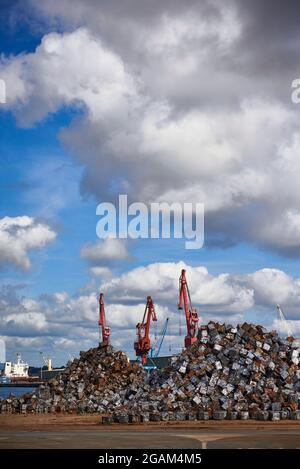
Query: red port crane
point(191, 314)
point(142, 345)
point(102, 323)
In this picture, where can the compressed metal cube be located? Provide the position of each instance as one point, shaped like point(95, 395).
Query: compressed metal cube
point(203, 415)
point(295, 415)
point(181, 416)
point(244, 415)
point(232, 415)
point(274, 416)
point(145, 417)
point(219, 414)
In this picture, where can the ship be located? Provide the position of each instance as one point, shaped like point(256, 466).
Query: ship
point(16, 373)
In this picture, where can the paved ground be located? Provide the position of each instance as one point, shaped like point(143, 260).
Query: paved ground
point(167, 438)
point(67, 431)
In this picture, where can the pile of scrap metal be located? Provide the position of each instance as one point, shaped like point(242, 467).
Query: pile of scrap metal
point(229, 372)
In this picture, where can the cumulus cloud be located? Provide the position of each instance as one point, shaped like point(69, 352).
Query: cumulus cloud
point(24, 322)
point(96, 77)
point(219, 131)
point(284, 329)
point(224, 297)
point(103, 272)
point(105, 251)
point(55, 324)
point(272, 286)
point(160, 280)
point(19, 236)
point(62, 324)
point(20, 316)
point(232, 49)
point(211, 132)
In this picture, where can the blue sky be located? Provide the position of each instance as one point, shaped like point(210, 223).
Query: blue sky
point(27, 156)
point(62, 151)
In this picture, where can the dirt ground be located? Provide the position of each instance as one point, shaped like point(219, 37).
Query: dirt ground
point(85, 431)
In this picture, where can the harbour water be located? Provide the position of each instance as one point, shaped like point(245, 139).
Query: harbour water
point(16, 391)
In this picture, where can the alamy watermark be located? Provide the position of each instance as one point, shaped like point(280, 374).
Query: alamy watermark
point(295, 96)
point(159, 220)
point(2, 92)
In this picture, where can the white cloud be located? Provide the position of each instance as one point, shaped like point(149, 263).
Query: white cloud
point(28, 322)
point(127, 316)
point(61, 296)
point(84, 307)
point(103, 272)
point(284, 330)
point(160, 280)
point(56, 75)
point(21, 235)
point(108, 250)
point(60, 324)
point(272, 286)
point(168, 104)
point(282, 231)
point(173, 33)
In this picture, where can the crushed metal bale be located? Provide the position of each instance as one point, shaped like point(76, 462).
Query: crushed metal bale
point(231, 372)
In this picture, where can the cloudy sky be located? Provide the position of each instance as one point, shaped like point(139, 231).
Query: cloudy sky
point(164, 101)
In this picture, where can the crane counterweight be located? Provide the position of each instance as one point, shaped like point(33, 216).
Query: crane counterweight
point(143, 344)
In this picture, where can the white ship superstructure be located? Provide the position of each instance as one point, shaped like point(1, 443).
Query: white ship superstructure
point(16, 370)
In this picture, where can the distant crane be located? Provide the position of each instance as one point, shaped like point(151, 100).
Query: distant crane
point(163, 333)
point(104, 330)
point(46, 360)
point(142, 344)
point(191, 314)
point(71, 357)
point(284, 321)
point(48, 363)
